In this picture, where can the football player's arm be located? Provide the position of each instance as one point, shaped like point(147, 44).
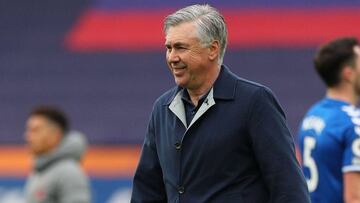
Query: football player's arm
point(351, 164)
point(352, 187)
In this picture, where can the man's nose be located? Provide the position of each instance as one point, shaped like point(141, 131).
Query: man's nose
point(173, 57)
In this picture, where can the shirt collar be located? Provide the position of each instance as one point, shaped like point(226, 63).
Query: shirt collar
point(336, 101)
point(186, 97)
point(224, 86)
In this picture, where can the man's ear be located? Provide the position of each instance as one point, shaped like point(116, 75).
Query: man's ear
point(214, 50)
point(57, 137)
point(347, 74)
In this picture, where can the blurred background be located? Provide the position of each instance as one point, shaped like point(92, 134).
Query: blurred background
point(103, 63)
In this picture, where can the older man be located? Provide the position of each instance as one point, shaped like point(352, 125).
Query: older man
point(214, 137)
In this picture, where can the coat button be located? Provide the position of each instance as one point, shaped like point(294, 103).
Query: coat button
point(181, 190)
point(177, 146)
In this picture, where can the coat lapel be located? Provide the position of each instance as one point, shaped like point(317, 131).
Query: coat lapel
point(208, 102)
point(177, 107)
point(224, 88)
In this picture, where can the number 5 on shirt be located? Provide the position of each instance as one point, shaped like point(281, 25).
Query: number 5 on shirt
point(309, 162)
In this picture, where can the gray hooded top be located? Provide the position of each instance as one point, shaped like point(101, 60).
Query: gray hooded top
point(57, 177)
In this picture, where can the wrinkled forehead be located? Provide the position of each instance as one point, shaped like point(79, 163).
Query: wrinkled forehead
point(183, 31)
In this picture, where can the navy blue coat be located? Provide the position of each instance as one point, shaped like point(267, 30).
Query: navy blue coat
point(236, 149)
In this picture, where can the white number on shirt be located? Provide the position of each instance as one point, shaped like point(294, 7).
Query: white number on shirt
point(356, 147)
point(309, 145)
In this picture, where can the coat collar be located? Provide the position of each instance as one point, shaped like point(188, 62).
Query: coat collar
point(223, 88)
point(177, 107)
point(225, 84)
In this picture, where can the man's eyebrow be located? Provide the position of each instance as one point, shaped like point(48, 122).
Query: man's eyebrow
point(180, 44)
point(176, 44)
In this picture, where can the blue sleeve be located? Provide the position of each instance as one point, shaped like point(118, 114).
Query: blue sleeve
point(351, 155)
point(274, 150)
point(148, 185)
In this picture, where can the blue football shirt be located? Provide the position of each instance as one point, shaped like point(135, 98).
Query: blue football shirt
point(329, 142)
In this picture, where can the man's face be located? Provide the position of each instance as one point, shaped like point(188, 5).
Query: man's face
point(41, 134)
point(187, 59)
point(357, 70)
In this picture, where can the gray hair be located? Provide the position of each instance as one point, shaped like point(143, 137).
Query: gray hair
point(210, 24)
